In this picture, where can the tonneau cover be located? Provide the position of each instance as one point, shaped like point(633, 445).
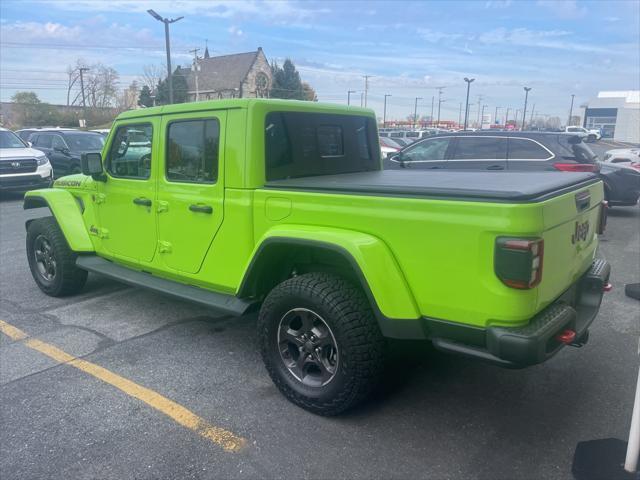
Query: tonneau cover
point(485, 186)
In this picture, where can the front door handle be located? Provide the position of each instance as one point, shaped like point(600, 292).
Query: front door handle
point(142, 201)
point(495, 167)
point(201, 208)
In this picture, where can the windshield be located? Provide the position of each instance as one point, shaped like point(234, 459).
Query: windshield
point(10, 140)
point(84, 141)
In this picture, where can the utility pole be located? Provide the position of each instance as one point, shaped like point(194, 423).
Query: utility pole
point(366, 88)
point(480, 98)
point(384, 115)
point(570, 110)
point(524, 112)
point(466, 110)
point(506, 116)
point(196, 69)
point(415, 111)
point(495, 115)
point(439, 101)
point(361, 99)
point(349, 96)
point(431, 118)
point(482, 116)
point(83, 69)
point(166, 22)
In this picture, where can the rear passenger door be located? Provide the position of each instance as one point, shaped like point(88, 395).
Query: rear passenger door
point(478, 153)
point(190, 188)
point(528, 155)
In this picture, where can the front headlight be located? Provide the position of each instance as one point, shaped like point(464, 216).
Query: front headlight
point(43, 160)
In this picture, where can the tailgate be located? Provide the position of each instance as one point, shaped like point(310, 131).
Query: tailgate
point(570, 239)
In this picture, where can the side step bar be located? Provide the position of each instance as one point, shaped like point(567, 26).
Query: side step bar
point(227, 304)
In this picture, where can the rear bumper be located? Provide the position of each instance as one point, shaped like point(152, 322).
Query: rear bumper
point(536, 341)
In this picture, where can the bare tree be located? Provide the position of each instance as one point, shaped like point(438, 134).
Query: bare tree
point(151, 75)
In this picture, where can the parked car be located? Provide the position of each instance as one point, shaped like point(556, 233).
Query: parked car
point(64, 147)
point(292, 215)
point(22, 167)
point(592, 135)
point(25, 133)
point(519, 151)
point(628, 157)
point(388, 147)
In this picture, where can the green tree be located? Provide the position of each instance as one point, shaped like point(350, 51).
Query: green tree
point(30, 111)
point(145, 100)
point(179, 90)
point(286, 82)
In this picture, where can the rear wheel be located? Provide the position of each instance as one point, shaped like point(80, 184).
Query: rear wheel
point(320, 342)
point(591, 138)
point(52, 262)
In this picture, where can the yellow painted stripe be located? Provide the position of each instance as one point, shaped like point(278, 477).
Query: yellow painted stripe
point(227, 440)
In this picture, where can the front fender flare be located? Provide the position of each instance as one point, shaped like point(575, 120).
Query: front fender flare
point(66, 211)
point(372, 261)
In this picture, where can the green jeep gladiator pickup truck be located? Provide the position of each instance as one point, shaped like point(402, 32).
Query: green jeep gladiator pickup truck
point(284, 206)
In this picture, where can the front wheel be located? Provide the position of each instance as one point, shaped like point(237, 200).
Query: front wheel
point(320, 342)
point(52, 262)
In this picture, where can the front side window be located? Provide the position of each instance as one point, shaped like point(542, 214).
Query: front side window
point(428, 151)
point(130, 153)
point(523, 149)
point(192, 151)
point(43, 140)
point(58, 143)
point(480, 148)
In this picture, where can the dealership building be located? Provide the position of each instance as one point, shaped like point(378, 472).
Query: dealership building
point(616, 114)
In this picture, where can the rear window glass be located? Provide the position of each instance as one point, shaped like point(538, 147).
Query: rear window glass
point(580, 152)
point(303, 144)
point(524, 149)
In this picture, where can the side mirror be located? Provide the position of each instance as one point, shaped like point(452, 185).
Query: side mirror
point(399, 158)
point(30, 144)
point(92, 165)
point(61, 150)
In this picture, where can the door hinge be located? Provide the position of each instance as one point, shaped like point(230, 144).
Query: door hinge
point(164, 247)
point(98, 232)
point(99, 198)
point(162, 206)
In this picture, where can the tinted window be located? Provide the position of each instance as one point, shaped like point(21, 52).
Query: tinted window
point(429, 150)
point(43, 140)
point(130, 154)
point(57, 142)
point(480, 148)
point(192, 151)
point(524, 149)
point(80, 142)
point(306, 144)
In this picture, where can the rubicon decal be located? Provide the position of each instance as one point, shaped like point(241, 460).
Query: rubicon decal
point(580, 232)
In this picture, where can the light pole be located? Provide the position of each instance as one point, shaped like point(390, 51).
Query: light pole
point(495, 115)
point(466, 110)
point(384, 115)
point(506, 116)
point(482, 116)
point(366, 87)
point(349, 96)
point(524, 112)
point(440, 102)
point(415, 111)
point(166, 22)
point(83, 69)
point(571, 110)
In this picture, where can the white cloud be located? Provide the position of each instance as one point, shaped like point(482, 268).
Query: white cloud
point(235, 31)
point(563, 8)
point(553, 39)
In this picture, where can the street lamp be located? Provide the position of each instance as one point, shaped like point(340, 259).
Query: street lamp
point(384, 114)
point(495, 116)
point(524, 112)
point(166, 22)
point(415, 111)
point(466, 110)
point(440, 102)
point(349, 96)
point(482, 116)
point(571, 109)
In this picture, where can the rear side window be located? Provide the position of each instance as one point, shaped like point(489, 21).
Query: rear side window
point(480, 148)
point(192, 151)
point(130, 153)
point(525, 149)
point(309, 144)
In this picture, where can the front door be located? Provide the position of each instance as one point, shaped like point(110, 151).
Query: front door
point(190, 188)
point(126, 201)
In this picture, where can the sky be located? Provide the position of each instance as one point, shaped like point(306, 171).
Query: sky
point(409, 48)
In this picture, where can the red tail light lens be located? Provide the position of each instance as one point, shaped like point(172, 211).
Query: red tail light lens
point(577, 167)
point(518, 261)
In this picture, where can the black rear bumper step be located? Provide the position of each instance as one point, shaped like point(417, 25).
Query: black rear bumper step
point(227, 304)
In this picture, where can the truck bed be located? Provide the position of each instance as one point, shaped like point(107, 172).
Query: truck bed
point(511, 187)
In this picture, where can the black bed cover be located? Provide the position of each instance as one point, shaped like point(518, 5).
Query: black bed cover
point(483, 186)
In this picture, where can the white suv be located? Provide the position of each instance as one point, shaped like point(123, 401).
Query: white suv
point(592, 135)
point(22, 167)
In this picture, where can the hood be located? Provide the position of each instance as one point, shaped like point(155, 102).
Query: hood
point(11, 153)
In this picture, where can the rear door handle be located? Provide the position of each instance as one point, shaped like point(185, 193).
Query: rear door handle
point(142, 201)
point(201, 208)
point(495, 167)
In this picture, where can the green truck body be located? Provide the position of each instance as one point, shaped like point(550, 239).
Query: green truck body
point(425, 258)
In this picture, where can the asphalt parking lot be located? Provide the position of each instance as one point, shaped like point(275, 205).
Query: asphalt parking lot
point(438, 416)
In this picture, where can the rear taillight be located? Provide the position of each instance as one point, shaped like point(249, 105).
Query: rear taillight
point(518, 261)
point(577, 167)
point(602, 219)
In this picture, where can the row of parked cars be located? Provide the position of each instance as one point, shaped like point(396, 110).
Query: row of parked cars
point(32, 158)
point(520, 151)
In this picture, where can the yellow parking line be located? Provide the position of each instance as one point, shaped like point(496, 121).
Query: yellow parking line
point(227, 440)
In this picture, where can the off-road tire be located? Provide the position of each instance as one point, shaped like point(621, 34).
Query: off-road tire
point(68, 278)
point(346, 310)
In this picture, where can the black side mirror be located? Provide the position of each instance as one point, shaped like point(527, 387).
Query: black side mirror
point(92, 165)
point(399, 158)
point(63, 150)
